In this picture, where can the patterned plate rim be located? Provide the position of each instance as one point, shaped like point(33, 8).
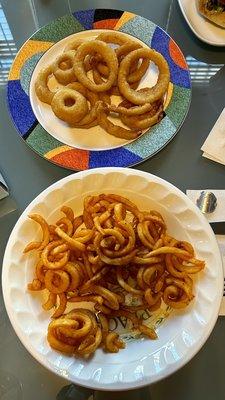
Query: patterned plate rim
point(129, 154)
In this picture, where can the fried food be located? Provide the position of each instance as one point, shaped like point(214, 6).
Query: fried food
point(112, 129)
point(90, 72)
point(213, 10)
point(62, 68)
point(154, 93)
point(133, 110)
point(74, 44)
point(113, 37)
point(45, 234)
point(145, 120)
point(97, 261)
point(109, 57)
point(136, 71)
point(91, 116)
point(41, 85)
point(69, 105)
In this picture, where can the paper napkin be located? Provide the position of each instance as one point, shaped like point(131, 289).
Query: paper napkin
point(214, 146)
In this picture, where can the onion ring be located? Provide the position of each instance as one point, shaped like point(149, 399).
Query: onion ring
point(41, 85)
point(69, 113)
point(91, 116)
point(139, 71)
point(153, 93)
point(112, 129)
point(66, 74)
point(114, 89)
point(120, 51)
point(143, 121)
point(109, 57)
point(113, 37)
point(74, 44)
point(136, 110)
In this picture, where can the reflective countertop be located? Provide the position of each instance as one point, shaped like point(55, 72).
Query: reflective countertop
point(180, 162)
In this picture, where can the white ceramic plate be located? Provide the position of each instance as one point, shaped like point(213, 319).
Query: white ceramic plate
point(143, 361)
point(59, 129)
point(200, 26)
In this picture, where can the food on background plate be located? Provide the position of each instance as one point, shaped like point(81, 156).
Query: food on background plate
point(214, 10)
point(91, 72)
point(113, 260)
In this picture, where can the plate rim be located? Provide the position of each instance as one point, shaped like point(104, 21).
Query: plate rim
point(128, 163)
point(202, 38)
point(144, 380)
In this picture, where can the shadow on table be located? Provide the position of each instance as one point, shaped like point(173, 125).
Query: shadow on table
point(73, 392)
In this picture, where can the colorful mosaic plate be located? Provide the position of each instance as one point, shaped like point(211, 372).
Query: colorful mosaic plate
point(77, 151)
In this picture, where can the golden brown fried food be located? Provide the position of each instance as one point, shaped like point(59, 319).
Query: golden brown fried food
point(103, 72)
point(154, 93)
point(109, 57)
point(112, 129)
point(41, 85)
point(145, 120)
point(62, 68)
point(99, 259)
point(69, 105)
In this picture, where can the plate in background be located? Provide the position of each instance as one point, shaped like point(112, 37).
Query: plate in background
point(205, 30)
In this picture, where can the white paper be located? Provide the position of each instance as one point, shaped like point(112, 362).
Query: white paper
point(210, 157)
point(219, 214)
point(214, 145)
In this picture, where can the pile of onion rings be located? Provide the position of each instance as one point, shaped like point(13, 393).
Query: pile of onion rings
point(97, 260)
point(95, 69)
